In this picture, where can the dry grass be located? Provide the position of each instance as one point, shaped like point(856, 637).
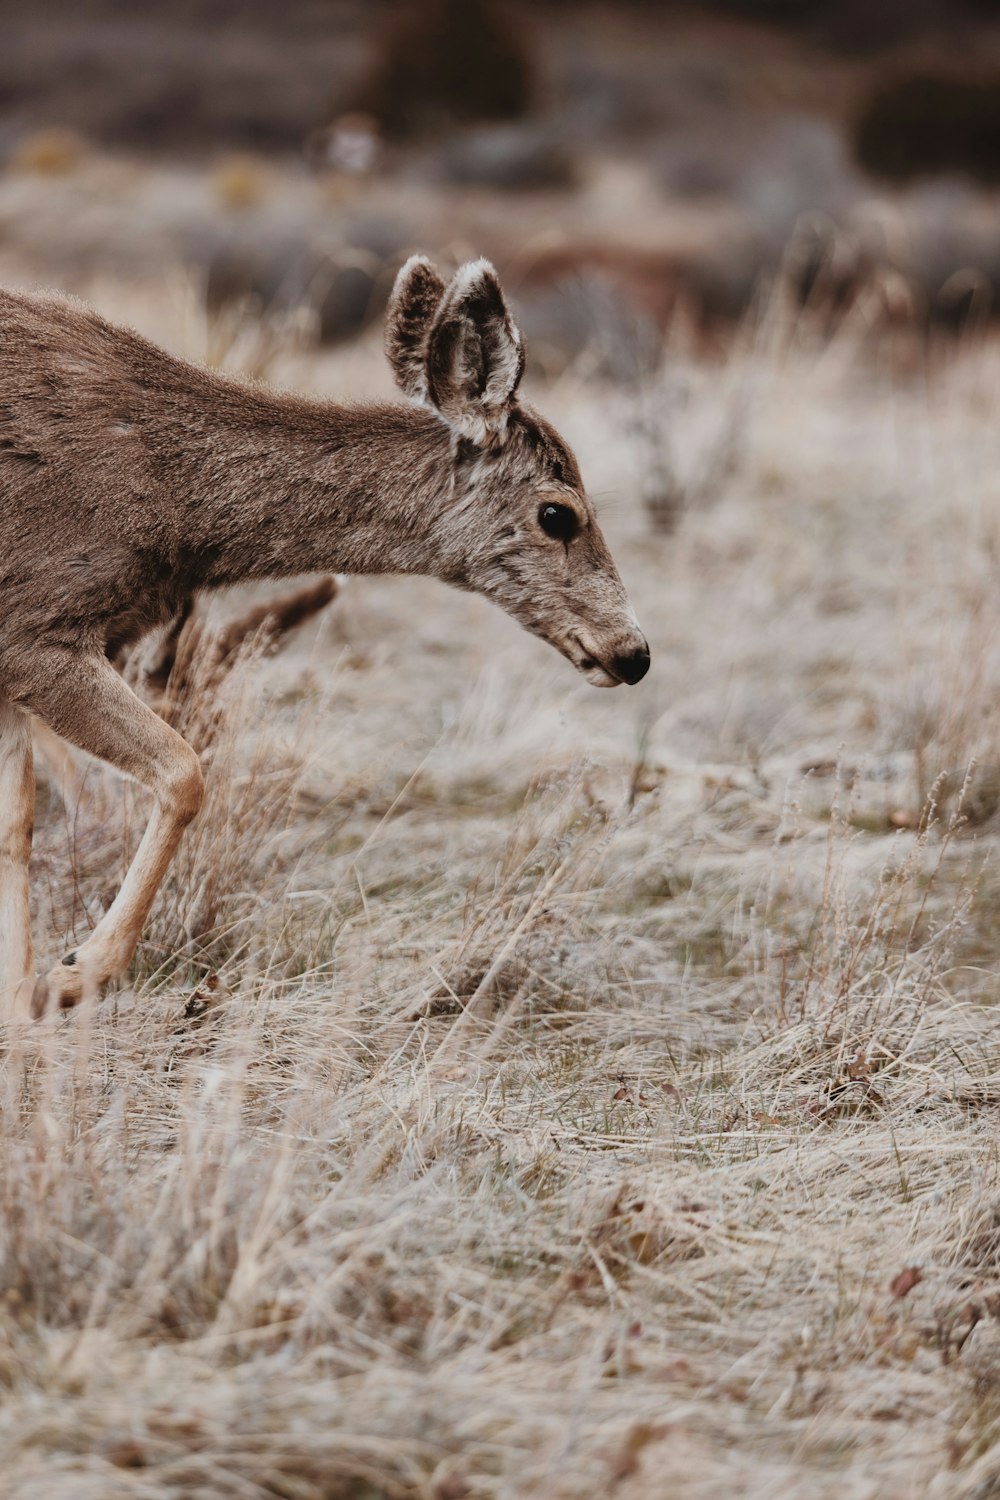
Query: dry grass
point(529, 1092)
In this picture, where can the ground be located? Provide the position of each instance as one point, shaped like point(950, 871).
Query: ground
point(528, 1091)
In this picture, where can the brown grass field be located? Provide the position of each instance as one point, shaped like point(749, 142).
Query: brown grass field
point(531, 1093)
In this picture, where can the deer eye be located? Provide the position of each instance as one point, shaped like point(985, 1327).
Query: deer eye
point(559, 522)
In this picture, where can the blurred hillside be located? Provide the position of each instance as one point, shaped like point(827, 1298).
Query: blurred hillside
point(624, 164)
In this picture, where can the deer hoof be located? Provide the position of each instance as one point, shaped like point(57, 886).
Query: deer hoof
point(60, 989)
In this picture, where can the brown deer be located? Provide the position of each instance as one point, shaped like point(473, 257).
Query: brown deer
point(131, 480)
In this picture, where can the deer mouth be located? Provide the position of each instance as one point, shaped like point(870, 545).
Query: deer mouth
point(626, 665)
point(596, 673)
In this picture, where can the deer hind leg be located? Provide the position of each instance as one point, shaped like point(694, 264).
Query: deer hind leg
point(17, 816)
point(103, 716)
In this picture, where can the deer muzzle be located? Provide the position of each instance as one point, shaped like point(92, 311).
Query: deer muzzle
point(626, 661)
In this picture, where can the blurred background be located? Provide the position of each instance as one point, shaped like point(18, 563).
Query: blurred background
point(630, 167)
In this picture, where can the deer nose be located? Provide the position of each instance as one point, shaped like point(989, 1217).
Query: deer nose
point(633, 667)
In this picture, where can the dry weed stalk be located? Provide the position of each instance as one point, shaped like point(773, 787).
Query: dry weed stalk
point(182, 675)
point(678, 411)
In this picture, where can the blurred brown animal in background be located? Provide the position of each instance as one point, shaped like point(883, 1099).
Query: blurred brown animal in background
point(131, 480)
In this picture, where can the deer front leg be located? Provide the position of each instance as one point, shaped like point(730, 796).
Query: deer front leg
point(102, 715)
point(17, 816)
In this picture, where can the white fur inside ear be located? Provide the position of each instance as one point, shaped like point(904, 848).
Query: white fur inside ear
point(472, 277)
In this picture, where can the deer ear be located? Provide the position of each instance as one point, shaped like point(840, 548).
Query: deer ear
point(416, 293)
point(475, 356)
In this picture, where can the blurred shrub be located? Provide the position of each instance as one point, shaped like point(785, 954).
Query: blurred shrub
point(339, 293)
point(856, 27)
point(598, 308)
point(349, 144)
point(241, 182)
point(690, 431)
point(506, 158)
point(924, 124)
point(49, 153)
point(441, 61)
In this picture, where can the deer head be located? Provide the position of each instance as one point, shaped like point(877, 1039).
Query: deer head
point(517, 526)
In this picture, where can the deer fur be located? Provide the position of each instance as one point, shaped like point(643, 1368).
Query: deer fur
point(130, 480)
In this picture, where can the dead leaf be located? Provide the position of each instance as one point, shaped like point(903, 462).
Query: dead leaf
point(210, 992)
point(903, 1284)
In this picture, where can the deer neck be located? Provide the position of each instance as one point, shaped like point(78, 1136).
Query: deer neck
point(281, 486)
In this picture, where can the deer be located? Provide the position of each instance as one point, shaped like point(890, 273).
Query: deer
point(132, 481)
